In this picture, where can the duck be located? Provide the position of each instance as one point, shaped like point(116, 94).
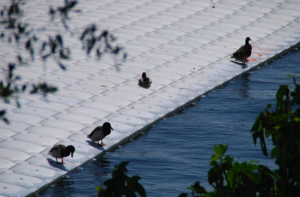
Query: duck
point(243, 52)
point(61, 151)
point(144, 80)
point(99, 133)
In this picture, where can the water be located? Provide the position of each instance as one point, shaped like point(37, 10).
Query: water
point(175, 153)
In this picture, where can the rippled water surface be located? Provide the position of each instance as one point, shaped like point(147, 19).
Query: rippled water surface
point(175, 153)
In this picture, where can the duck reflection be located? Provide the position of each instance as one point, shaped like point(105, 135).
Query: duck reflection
point(90, 175)
point(244, 88)
point(101, 167)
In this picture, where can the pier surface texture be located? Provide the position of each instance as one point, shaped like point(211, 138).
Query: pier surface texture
point(184, 46)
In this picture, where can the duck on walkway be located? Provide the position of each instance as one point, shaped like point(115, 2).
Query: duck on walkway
point(243, 52)
point(144, 80)
point(61, 151)
point(99, 133)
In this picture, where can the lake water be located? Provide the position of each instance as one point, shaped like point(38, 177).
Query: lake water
point(175, 153)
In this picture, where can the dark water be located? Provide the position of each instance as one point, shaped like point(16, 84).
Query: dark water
point(175, 153)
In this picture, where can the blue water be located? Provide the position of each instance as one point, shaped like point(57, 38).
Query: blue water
point(175, 153)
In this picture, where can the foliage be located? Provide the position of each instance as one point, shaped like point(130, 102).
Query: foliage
point(55, 48)
point(102, 42)
point(229, 178)
point(63, 12)
point(121, 184)
point(283, 125)
point(15, 31)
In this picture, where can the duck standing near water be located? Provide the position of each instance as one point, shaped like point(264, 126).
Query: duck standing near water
point(144, 80)
point(243, 52)
point(61, 151)
point(99, 133)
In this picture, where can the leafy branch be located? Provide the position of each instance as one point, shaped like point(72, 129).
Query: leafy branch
point(54, 47)
point(121, 184)
point(10, 18)
point(101, 43)
point(283, 125)
point(63, 12)
point(233, 179)
point(14, 29)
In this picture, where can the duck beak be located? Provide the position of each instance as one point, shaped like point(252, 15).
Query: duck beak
point(111, 128)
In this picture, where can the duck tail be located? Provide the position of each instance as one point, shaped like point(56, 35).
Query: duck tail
point(231, 56)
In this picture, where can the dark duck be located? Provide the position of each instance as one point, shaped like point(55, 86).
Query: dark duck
point(61, 151)
point(243, 52)
point(144, 80)
point(99, 133)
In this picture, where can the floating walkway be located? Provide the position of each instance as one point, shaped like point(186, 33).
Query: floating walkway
point(183, 45)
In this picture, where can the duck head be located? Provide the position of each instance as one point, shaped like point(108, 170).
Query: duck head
point(144, 75)
point(70, 149)
point(107, 126)
point(247, 40)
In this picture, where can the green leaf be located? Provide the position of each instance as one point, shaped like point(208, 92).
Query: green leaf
point(134, 186)
point(249, 170)
point(267, 133)
point(250, 167)
point(274, 152)
point(217, 151)
point(256, 124)
point(253, 161)
point(236, 167)
point(98, 188)
point(230, 175)
point(214, 173)
point(288, 75)
point(227, 159)
point(223, 148)
point(276, 127)
point(276, 175)
point(122, 166)
point(297, 119)
point(220, 149)
point(283, 90)
point(197, 188)
point(268, 106)
point(278, 135)
point(260, 127)
point(215, 157)
point(254, 177)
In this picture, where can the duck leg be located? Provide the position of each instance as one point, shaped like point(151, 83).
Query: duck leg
point(102, 143)
point(62, 161)
point(244, 61)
